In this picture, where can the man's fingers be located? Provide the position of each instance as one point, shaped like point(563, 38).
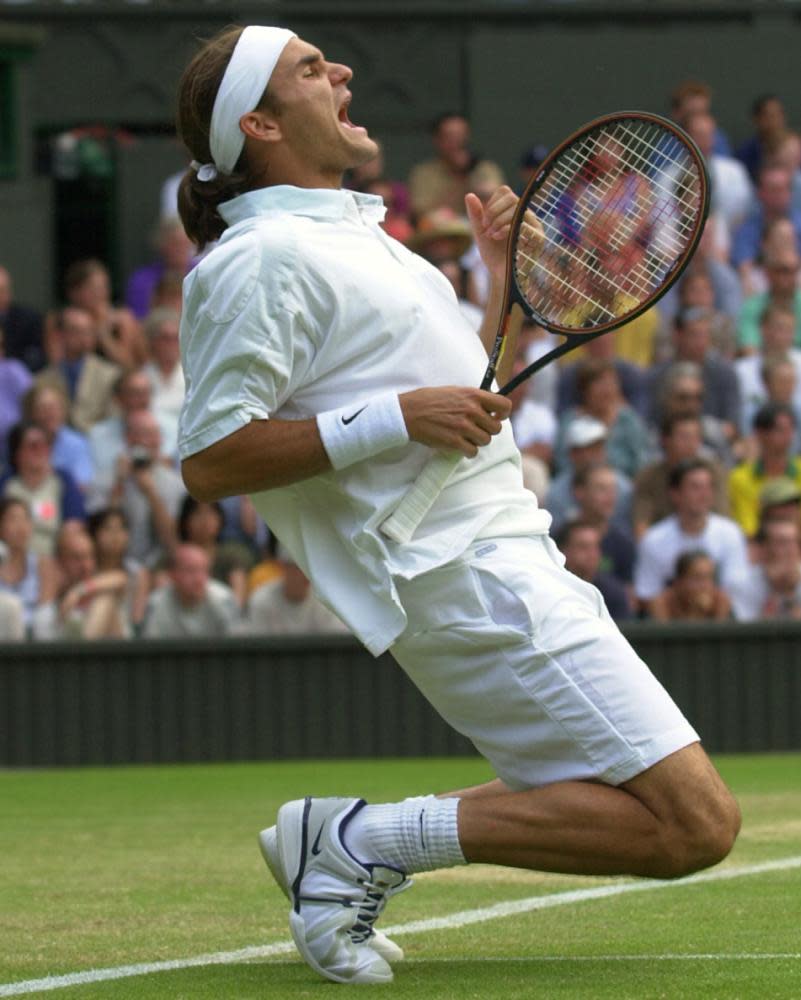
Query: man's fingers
point(493, 402)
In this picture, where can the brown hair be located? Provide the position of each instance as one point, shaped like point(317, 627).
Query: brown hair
point(198, 200)
point(80, 271)
point(589, 370)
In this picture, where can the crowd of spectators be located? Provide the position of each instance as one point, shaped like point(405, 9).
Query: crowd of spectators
point(668, 453)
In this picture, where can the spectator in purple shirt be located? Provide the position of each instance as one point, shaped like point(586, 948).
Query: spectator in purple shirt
point(176, 255)
point(15, 380)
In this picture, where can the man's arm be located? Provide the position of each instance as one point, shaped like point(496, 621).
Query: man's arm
point(265, 454)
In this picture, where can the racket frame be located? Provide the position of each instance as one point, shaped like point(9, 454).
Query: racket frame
point(413, 506)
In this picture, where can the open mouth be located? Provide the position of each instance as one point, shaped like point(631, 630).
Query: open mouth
point(345, 121)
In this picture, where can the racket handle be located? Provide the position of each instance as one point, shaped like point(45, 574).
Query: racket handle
point(401, 525)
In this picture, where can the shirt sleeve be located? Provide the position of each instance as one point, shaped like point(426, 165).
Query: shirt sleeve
point(244, 343)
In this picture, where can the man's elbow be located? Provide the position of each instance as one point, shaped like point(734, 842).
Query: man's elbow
point(199, 483)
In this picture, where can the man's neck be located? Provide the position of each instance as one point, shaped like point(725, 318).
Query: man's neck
point(692, 524)
point(776, 464)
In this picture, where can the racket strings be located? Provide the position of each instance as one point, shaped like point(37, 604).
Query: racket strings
point(582, 211)
point(667, 204)
point(618, 208)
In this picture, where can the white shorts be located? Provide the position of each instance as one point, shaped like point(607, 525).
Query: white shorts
point(522, 658)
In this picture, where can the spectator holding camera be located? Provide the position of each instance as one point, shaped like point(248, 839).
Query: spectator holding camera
point(148, 490)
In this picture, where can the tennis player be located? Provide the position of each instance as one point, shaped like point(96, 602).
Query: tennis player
point(323, 363)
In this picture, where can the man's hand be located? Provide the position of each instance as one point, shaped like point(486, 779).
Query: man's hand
point(491, 224)
point(454, 418)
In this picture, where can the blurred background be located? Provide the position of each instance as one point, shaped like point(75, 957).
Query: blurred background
point(87, 92)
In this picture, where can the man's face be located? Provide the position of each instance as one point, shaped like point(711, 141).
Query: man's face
point(451, 140)
point(701, 128)
point(695, 495)
point(134, 393)
point(16, 526)
point(782, 539)
point(775, 191)
point(782, 273)
point(588, 454)
point(779, 438)
point(142, 431)
point(684, 441)
point(770, 119)
point(190, 575)
point(780, 382)
point(692, 104)
point(77, 557)
point(599, 495)
point(78, 331)
point(693, 340)
point(48, 410)
point(33, 454)
point(165, 344)
point(583, 553)
point(687, 396)
point(312, 96)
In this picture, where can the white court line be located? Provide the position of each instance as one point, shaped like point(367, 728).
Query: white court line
point(454, 920)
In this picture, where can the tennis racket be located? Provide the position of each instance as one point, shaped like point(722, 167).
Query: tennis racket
point(620, 207)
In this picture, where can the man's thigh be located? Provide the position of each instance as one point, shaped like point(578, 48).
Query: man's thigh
point(522, 658)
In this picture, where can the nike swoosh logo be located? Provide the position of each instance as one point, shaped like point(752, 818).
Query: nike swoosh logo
point(316, 845)
point(347, 420)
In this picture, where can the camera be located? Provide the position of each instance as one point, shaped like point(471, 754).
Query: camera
point(140, 458)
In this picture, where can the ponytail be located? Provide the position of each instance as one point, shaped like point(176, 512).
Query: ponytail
point(198, 201)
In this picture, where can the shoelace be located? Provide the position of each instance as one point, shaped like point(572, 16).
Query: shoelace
point(375, 899)
point(369, 909)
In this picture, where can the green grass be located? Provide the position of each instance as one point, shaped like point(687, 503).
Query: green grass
point(106, 867)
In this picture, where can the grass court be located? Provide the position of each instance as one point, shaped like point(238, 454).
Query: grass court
point(136, 866)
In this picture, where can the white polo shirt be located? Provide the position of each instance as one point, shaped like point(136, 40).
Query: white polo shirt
point(665, 541)
point(306, 305)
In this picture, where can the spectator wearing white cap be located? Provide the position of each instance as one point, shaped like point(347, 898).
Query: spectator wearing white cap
point(599, 396)
point(586, 445)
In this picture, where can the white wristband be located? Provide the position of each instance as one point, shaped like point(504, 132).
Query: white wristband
point(362, 430)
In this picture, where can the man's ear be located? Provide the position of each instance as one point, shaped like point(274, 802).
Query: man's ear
point(261, 125)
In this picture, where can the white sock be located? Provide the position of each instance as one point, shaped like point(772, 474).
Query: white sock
point(415, 835)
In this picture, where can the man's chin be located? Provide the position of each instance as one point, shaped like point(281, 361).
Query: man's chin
point(364, 150)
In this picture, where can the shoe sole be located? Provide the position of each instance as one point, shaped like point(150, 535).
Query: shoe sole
point(268, 843)
point(291, 837)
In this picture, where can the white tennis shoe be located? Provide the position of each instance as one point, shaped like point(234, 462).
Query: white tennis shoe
point(386, 947)
point(335, 898)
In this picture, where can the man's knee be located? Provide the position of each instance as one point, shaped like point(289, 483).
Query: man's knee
point(698, 817)
point(701, 840)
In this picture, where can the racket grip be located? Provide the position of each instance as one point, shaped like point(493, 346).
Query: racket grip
point(401, 525)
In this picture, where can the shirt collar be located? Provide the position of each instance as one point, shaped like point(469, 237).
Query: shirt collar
point(316, 203)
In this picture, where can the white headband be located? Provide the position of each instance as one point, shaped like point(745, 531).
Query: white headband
point(245, 79)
